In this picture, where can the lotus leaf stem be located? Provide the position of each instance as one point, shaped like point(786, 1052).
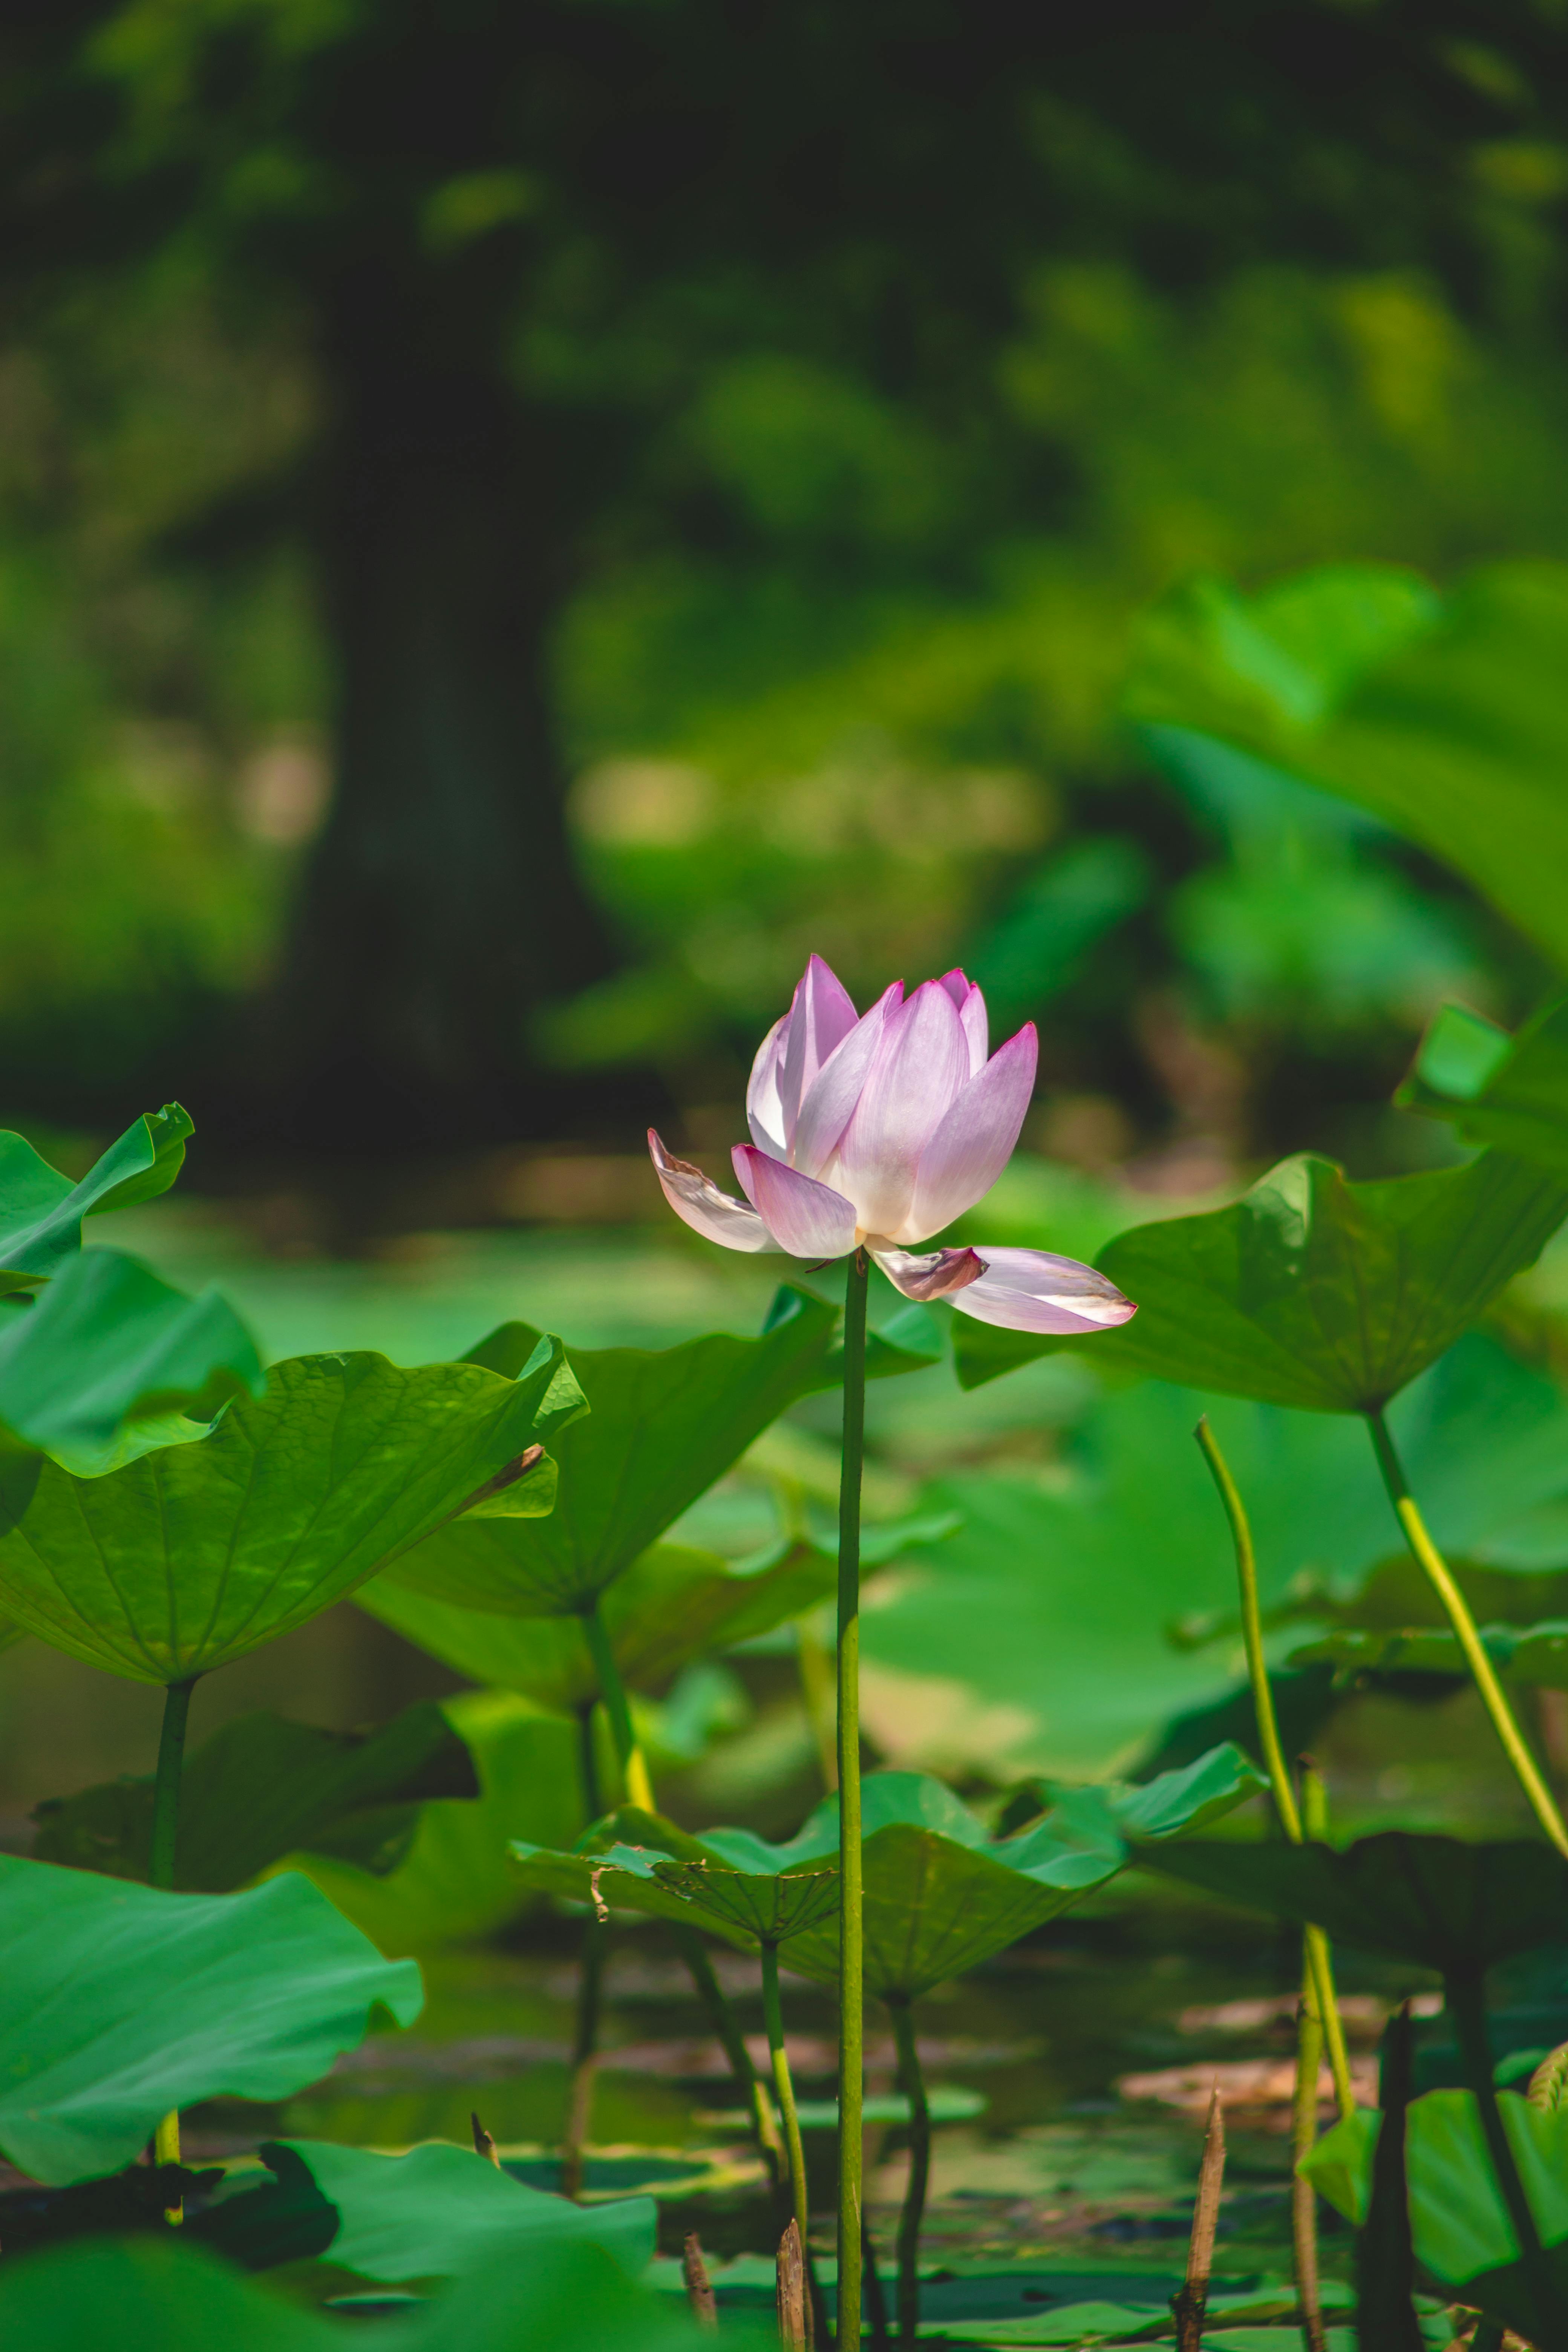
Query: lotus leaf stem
point(851, 1993)
point(912, 2083)
point(1303, 2137)
point(161, 1870)
point(613, 1691)
point(875, 2303)
point(585, 2054)
point(1530, 1780)
point(721, 2017)
point(1465, 1994)
point(1273, 1753)
point(783, 2085)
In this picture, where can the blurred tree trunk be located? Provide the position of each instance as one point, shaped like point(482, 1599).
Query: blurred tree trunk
point(442, 904)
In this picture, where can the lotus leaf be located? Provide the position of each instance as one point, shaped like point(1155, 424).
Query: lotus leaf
point(440, 2209)
point(1497, 1089)
point(118, 2003)
point(1536, 1655)
point(662, 1425)
point(1434, 1900)
point(1310, 1290)
point(261, 1787)
point(193, 1555)
point(1460, 2227)
point(41, 1210)
point(109, 1362)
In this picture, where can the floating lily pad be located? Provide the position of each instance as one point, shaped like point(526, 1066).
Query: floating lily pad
point(196, 1554)
point(1448, 1905)
point(118, 2003)
point(110, 1361)
point(41, 1210)
point(440, 2209)
point(261, 1787)
point(662, 1425)
point(1313, 1291)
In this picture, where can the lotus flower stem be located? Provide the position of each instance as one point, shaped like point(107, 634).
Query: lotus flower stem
point(613, 1691)
point(912, 2081)
point(783, 2085)
point(1530, 1780)
point(851, 1995)
point(1273, 1753)
point(160, 1872)
point(1303, 2137)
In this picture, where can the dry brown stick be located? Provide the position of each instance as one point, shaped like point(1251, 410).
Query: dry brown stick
point(483, 2144)
point(1191, 2301)
point(699, 2287)
point(791, 2291)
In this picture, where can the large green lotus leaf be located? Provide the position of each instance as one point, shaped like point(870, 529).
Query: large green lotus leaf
point(1448, 718)
point(41, 1210)
point(456, 1882)
point(160, 2293)
point(1459, 2226)
point(1049, 1633)
point(261, 1787)
point(1497, 1089)
point(1531, 1654)
point(440, 2209)
point(662, 1425)
point(1313, 1291)
point(1448, 1905)
point(109, 1362)
point(769, 1904)
point(118, 2003)
point(196, 1554)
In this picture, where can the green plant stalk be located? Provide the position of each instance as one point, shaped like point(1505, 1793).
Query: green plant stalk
point(721, 2017)
point(613, 1691)
point(783, 2089)
point(912, 2081)
point(1465, 1996)
point(161, 1869)
point(584, 2055)
point(851, 1982)
point(1531, 1779)
point(1303, 2137)
point(1273, 1754)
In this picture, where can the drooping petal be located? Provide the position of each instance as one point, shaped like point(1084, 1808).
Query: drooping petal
point(1031, 1290)
point(697, 1201)
point(971, 1008)
point(936, 1276)
point(808, 1219)
point(974, 1141)
point(920, 1063)
point(829, 1102)
point(764, 1110)
point(821, 1014)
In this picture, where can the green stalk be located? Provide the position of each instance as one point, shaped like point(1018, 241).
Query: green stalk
point(1273, 1754)
point(1303, 2138)
point(721, 2017)
point(851, 1991)
point(1530, 1780)
point(1466, 1998)
point(912, 2083)
point(613, 1691)
point(784, 2087)
point(584, 2055)
point(160, 1872)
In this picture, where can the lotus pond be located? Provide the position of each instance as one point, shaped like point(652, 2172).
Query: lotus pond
point(1143, 1916)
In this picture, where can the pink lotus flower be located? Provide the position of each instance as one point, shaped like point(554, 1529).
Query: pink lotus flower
point(876, 1133)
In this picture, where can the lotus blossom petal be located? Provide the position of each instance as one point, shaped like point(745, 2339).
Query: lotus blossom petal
point(936, 1276)
point(821, 1014)
point(1030, 1290)
point(808, 1219)
point(974, 1141)
point(697, 1201)
point(920, 1063)
point(829, 1104)
point(971, 1006)
point(764, 1110)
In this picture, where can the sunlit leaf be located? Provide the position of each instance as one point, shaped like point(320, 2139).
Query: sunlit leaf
point(118, 2003)
point(662, 1425)
point(41, 1210)
point(1497, 1089)
point(110, 1362)
point(441, 2209)
point(1448, 1905)
point(261, 1787)
point(1316, 1292)
point(193, 1555)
